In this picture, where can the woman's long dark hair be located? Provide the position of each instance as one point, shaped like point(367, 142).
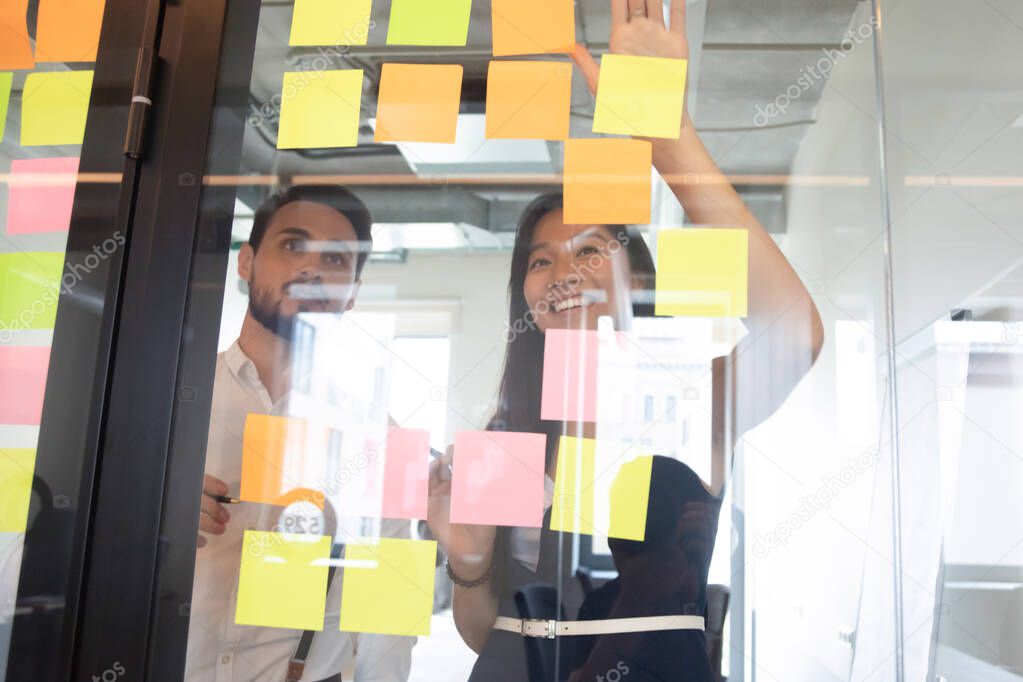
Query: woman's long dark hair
point(518, 400)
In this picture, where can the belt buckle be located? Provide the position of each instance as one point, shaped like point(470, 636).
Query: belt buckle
point(550, 627)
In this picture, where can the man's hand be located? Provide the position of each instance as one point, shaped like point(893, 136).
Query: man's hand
point(213, 517)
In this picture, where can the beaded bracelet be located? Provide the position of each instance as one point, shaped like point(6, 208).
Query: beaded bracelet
point(468, 583)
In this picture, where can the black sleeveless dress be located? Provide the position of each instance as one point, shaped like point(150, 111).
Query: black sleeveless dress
point(666, 574)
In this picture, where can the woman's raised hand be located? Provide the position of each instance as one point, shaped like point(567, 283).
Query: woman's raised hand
point(468, 546)
point(638, 29)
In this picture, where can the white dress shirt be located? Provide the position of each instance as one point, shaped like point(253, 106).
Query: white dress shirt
point(220, 650)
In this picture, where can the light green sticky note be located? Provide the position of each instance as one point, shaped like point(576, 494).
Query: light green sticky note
point(29, 288)
point(330, 22)
point(640, 96)
point(282, 581)
point(320, 109)
point(16, 468)
point(6, 78)
point(388, 586)
point(429, 22)
point(53, 107)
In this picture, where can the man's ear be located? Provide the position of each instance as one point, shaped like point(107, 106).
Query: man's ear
point(355, 294)
point(245, 256)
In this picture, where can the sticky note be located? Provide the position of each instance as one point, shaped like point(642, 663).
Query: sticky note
point(23, 377)
point(584, 475)
point(406, 474)
point(282, 580)
point(388, 586)
point(41, 194)
point(330, 22)
point(29, 289)
point(53, 107)
point(15, 48)
point(16, 470)
point(418, 102)
point(497, 478)
point(533, 26)
point(569, 375)
point(273, 450)
point(320, 109)
point(429, 22)
point(608, 181)
point(702, 272)
point(6, 78)
point(68, 30)
point(529, 100)
point(640, 96)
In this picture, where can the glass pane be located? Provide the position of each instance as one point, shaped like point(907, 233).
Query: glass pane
point(642, 376)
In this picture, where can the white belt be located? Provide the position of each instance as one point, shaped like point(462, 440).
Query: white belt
point(552, 628)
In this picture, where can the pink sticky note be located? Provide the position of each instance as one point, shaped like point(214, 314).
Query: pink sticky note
point(42, 191)
point(569, 375)
point(23, 377)
point(406, 474)
point(497, 478)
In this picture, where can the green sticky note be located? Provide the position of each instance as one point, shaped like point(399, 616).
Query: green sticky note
point(330, 22)
point(320, 109)
point(6, 78)
point(640, 96)
point(16, 467)
point(29, 288)
point(53, 107)
point(429, 22)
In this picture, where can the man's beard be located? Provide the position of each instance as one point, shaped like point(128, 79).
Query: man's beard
point(267, 312)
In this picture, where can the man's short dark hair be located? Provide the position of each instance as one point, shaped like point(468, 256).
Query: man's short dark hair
point(336, 197)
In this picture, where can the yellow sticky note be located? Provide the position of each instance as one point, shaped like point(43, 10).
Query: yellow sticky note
point(320, 109)
point(330, 22)
point(6, 79)
point(529, 100)
point(53, 107)
point(418, 102)
point(640, 96)
point(15, 46)
point(29, 289)
point(282, 582)
point(578, 479)
point(388, 586)
point(533, 26)
point(608, 181)
point(429, 22)
point(702, 272)
point(16, 469)
point(68, 30)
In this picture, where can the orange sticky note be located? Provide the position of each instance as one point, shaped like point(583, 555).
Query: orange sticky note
point(418, 102)
point(271, 446)
point(608, 181)
point(282, 580)
point(68, 30)
point(15, 48)
point(533, 26)
point(529, 100)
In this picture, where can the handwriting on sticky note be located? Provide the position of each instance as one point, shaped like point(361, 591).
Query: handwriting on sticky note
point(41, 195)
point(330, 22)
point(320, 109)
point(388, 586)
point(533, 26)
point(702, 272)
point(282, 580)
point(429, 22)
point(608, 181)
point(640, 96)
point(68, 30)
point(529, 100)
point(418, 102)
point(53, 107)
point(498, 478)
